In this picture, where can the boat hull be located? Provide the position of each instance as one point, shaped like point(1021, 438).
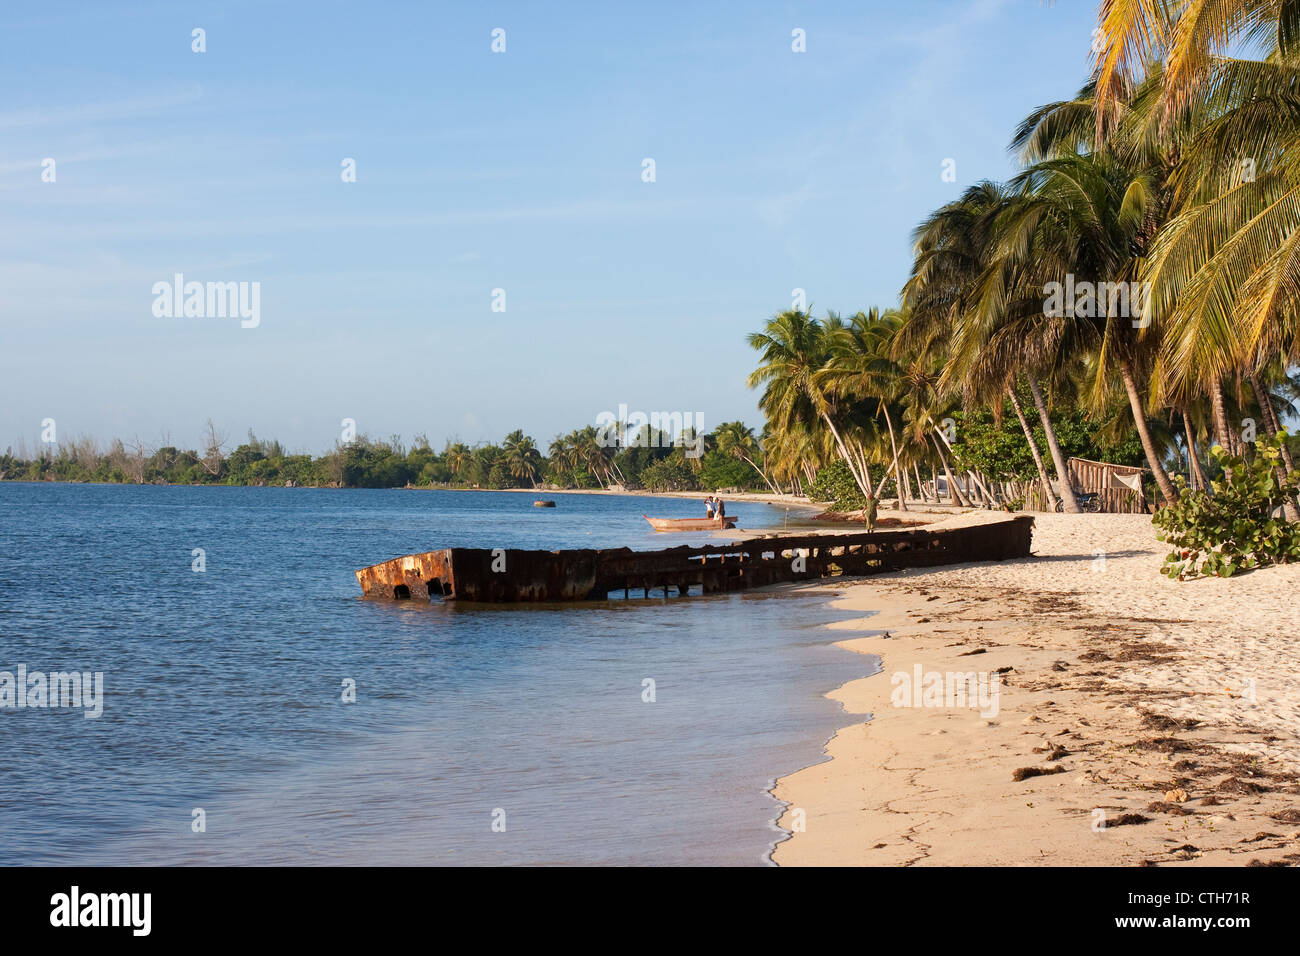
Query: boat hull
point(691, 524)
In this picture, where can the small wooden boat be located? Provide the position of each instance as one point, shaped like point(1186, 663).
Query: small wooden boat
point(691, 524)
point(539, 503)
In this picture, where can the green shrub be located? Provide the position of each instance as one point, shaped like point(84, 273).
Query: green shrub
point(1233, 529)
point(720, 470)
point(834, 483)
point(669, 474)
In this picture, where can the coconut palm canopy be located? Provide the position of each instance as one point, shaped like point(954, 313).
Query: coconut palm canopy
point(1139, 279)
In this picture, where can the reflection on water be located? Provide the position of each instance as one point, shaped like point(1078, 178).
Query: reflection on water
point(224, 689)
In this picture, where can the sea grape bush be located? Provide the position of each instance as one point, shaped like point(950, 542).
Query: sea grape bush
point(1235, 528)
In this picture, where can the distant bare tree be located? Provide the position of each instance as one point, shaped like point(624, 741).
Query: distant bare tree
point(167, 454)
point(213, 454)
point(134, 460)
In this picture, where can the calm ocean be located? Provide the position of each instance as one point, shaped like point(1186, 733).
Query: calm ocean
point(223, 689)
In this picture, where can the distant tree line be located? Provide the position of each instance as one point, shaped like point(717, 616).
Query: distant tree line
point(727, 457)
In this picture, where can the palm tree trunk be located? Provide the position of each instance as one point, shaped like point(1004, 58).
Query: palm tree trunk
point(1219, 412)
point(920, 485)
point(762, 474)
point(1148, 445)
point(898, 476)
point(844, 453)
point(954, 493)
point(982, 485)
point(862, 464)
point(1033, 450)
point(1144, 433)
point(1193, 461)
point(1069, 502)
point(893, 466)
point(1270, 417)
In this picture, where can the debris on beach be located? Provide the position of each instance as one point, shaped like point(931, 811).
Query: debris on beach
point(1024, 773)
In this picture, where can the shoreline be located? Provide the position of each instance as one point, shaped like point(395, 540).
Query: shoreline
point(1138, 721)
point(793, 501)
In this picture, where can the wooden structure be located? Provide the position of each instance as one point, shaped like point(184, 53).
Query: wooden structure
point(507, 575)
point(1120, 486)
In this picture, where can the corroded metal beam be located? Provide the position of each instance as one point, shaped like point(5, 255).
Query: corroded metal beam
point(509, 575)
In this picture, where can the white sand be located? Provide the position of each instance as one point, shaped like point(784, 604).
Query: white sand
point(1101, 645)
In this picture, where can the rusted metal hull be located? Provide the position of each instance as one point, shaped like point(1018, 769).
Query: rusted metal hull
point(691, 524)
point(507, 575)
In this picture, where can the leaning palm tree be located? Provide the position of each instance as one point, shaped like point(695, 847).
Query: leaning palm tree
point(793, 454)
point(563, 456)
point(927, 409)
point(962, 291)
point(736, 440)
point(860, 369)
point(1088, 219)
point(793, 350)
point(1226, 270)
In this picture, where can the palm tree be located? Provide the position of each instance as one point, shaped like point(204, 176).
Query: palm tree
point(962, 296)
point(736, 440)
point(860, 369)
point(563, 457)
point(925, 406)
point(522, 457)
point(1226, 268)
point(793, 350)
point(458, 458)
point(1090, 217)
point(1190, 38)
point(597, 455)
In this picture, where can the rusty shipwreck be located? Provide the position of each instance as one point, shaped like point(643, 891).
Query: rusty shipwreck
point(510, 575)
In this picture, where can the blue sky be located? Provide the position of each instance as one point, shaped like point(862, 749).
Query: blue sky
point(476, 170)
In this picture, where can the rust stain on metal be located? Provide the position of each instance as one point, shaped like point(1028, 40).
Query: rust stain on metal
point(508, 575)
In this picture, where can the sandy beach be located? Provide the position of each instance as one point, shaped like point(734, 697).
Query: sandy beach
point(1135, 720)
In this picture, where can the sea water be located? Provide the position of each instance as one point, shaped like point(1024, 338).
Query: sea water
point(232, 638)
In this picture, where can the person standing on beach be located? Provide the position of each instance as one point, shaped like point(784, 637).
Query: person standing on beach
point(719, 509)
point(708, 507)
